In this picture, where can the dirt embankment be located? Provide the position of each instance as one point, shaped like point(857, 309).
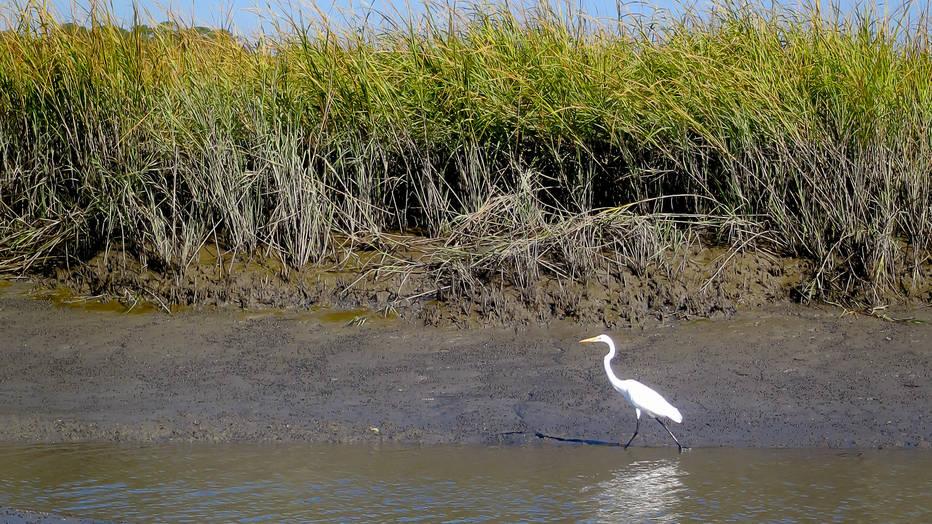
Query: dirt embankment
point(699, 283)
point(777, 376)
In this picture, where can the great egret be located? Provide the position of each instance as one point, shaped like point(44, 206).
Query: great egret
point(641, 397)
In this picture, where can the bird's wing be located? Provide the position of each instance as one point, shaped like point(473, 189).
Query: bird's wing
point(651, 401)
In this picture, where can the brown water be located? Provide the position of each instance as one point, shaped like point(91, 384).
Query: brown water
point(256, 483)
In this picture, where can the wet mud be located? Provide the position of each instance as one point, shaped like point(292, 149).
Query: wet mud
point(707, 283)
point(768, 376)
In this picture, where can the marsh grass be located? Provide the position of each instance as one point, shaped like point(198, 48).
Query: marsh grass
point(516, 144)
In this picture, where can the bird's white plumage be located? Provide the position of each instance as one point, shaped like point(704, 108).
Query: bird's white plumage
point(643, 398)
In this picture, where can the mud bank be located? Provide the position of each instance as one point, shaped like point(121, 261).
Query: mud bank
point(691, 283)
point(769, 377)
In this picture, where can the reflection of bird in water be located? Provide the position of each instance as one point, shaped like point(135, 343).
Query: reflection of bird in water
point(647, 490)
point(638, 395)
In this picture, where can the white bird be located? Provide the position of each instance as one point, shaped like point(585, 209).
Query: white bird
point(641, 397)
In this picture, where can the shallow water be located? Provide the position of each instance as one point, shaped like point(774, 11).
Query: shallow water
point(330, 483)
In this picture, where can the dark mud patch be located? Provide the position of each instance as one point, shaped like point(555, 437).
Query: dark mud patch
point(702, 283)
point(770, 377)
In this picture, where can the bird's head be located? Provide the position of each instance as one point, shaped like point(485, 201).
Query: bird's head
point(601, 338)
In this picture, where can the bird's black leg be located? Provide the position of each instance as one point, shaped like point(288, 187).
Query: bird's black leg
point(671, 433)
point(636, 428)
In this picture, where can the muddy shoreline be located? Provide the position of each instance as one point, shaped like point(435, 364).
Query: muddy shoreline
point(695, 282)
point(774, 376)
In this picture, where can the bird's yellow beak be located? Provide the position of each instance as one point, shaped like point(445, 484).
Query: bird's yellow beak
point(587, 340)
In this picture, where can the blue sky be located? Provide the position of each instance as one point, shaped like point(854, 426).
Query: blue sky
point(246, 16)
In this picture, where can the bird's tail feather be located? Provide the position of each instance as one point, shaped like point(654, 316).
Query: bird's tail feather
point(675, 416)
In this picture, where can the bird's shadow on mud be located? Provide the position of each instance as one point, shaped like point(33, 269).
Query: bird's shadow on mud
point(588, 442)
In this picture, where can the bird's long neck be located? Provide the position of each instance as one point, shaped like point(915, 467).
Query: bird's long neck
point(608, 365)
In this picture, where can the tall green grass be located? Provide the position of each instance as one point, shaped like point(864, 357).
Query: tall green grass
point(523, 144)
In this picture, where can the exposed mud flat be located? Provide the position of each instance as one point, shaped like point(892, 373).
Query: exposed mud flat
point(777, 376)
point(699, 283)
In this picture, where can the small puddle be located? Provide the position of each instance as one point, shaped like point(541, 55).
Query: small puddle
point(352, 317)
point(65, 298)
point(348, 316)
point(343, 317)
